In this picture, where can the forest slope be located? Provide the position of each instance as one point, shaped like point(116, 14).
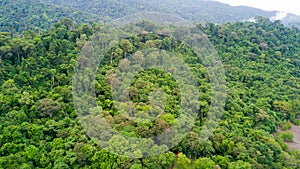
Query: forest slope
point(39, 125)
point(20, 15)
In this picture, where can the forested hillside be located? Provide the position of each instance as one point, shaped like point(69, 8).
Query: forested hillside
point(19, 15)
point(292, 20)
point(193, 10)
point(39, 125)
point(199, 10)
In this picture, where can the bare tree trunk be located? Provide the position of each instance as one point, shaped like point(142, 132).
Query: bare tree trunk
point(111, 57)
point(0, 60)
point(52, 81)
point(19, 59)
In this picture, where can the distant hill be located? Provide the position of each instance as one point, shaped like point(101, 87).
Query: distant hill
point(20, 15)
point(28, 14)
point(292, 20)
point(193, 10)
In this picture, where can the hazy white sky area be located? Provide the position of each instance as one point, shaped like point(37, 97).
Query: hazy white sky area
point(292, 6)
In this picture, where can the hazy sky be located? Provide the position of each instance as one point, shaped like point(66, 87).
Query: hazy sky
point(292, 6)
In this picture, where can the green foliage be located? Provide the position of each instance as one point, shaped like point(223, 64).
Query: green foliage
point(35, 15)
point(136, 166)
point(286, 125)
point(239, 165)
point(204, 163)
point(287, 136)
point(168, 118)
point(195, 11)
point(182, 162)
point(221, 161)
point(39, 128)
point(21, 15)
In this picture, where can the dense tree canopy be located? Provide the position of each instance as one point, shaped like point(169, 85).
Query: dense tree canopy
point(39, 128)
point(38, 15)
